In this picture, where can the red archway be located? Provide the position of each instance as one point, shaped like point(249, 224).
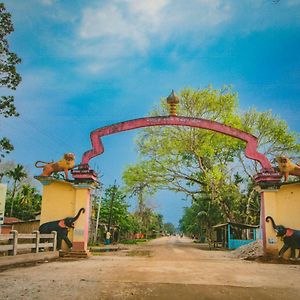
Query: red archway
point(250, 150)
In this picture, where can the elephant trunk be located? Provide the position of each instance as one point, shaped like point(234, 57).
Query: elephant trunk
point(273, 223)
point(78, 214)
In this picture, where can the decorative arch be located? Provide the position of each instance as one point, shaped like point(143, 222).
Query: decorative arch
point(250, 151)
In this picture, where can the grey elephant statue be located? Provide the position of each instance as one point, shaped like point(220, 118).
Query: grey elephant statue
point(290, 237)
point(61, 227)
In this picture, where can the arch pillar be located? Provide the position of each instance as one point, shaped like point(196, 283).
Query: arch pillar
point(62, 199)
point(281, 202)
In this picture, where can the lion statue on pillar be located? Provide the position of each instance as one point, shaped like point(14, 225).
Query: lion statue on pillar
point(286, 167)
point(63, 165)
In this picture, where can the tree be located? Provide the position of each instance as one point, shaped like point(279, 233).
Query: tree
point(114, 208)
point(169, 228)
point(273, 135)
point(26, 202)
point(17, 174)
point(190, 160)
point(200, 162)
point(9, 78)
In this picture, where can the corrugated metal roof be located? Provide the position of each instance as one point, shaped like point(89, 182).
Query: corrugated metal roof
point(237, 225)
point(10, 220)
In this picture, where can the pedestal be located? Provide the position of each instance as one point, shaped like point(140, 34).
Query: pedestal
point(62, 199)
point(281, 201)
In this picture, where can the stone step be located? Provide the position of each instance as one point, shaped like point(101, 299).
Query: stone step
point(74, 254)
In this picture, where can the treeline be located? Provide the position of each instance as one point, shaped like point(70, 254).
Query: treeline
point(208, 167)
point(115, 215)
point(23, 200)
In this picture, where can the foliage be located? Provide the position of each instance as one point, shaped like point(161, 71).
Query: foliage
point(169, 228)
point(114, 208)
point(9, 78)
point(274, 137)
point(23, 200)
point(16, 174)
point(210, 168)
point(5, 147)
point(26, 202)
point(114, 212)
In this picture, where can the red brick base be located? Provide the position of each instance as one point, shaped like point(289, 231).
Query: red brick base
point(78, 246)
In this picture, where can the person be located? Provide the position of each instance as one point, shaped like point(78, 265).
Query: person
point(107, 238)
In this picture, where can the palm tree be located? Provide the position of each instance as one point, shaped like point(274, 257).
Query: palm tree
point(27, 194)
point(17, 174)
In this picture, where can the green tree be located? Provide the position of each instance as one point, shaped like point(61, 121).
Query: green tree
point(114, 208)
point(9, 77)
point(274, 138)
point(16, 174)
point(185, 159)
point(197, 161)
point(169, 228)
point(26, 202)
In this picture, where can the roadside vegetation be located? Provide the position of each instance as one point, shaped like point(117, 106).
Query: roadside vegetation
point(209, 168)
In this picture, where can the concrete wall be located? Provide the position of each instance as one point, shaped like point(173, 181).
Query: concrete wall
point(283, 205)
point(26, 226)
point(63, 199)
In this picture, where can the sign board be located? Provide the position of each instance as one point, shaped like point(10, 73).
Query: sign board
point(3, 188)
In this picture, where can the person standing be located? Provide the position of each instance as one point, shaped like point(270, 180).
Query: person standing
point(107, 238)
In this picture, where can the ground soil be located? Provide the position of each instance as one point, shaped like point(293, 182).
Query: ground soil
point(165, 268)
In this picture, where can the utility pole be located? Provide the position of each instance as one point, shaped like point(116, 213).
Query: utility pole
point(98, 213)
point(111, 205)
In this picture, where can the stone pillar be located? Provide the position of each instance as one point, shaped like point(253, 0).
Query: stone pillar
point(62, 199)
point(81, 230)
point(282, 203)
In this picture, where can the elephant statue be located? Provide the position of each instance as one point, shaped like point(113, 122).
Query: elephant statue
point(290, 237)
point(61, 227)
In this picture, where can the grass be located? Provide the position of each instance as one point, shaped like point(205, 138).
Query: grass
point(133, 242)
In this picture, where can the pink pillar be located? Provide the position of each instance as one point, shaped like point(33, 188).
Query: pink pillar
point(81, 230)
point(262, 221)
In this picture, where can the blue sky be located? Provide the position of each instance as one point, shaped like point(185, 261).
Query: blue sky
point(87, 64)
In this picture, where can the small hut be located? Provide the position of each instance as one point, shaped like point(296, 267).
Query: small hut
point(233, 235)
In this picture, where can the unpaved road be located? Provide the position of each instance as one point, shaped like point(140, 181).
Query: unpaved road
point(166, 268)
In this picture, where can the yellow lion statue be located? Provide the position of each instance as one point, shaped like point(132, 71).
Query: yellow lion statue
point(65, 164)
point(287, 168)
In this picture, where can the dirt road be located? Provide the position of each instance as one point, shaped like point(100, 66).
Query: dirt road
point(166, 268)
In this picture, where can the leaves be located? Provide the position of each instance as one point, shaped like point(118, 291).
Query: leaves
point(114, 210)
point(5, 146)
point(9, 77)
point(209, 167)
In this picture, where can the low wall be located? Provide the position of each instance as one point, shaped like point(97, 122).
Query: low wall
point(26, 226)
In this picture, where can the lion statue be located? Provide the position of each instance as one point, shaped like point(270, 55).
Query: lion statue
point(65, 164)
point(287, 168)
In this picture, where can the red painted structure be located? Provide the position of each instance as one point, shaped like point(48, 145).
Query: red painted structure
point(250, 150)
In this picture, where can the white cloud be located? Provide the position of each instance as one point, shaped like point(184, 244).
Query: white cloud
point(123, 21)
point(48, 2)
point(119, 29)
point(293, 2)
point(116, 30)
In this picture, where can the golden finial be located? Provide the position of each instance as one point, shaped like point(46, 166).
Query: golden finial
point(173, 100)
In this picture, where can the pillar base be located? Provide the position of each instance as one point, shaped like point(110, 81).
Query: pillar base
point(79, 246)
point(63, 199)
point(74, 254)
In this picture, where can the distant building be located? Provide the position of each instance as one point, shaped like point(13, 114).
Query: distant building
point(234, 235)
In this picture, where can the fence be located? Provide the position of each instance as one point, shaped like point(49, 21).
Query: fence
point(14, 242)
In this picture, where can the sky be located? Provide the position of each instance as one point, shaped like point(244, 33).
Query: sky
point(92, 63)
